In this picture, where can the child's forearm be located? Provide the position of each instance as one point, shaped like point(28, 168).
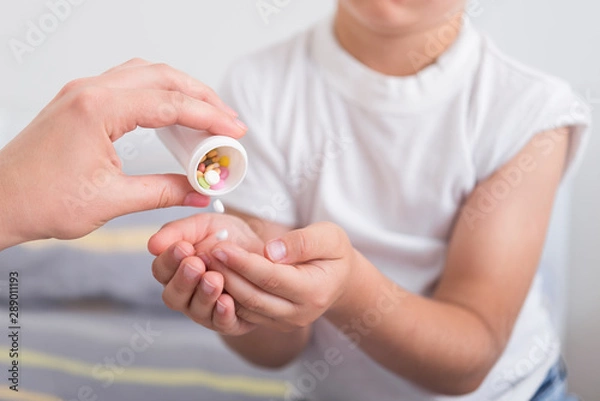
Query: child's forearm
point(269, 348)
point(439, 346)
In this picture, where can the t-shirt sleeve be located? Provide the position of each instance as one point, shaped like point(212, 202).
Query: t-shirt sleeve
point(539, 108)
point(264, 193)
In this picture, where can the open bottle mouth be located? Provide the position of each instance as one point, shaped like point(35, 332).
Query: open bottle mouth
point(191, 148)
point(220, 169)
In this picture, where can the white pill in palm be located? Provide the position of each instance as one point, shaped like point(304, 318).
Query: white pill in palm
point(222, 235)
point(212, 177)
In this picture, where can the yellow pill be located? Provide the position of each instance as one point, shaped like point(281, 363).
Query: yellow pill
point(199, 174)
point(224, 161)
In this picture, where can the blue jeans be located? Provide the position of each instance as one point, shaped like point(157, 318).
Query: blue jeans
point(554, 387)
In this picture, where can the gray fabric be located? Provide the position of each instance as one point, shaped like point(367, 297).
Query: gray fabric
point(89, 336)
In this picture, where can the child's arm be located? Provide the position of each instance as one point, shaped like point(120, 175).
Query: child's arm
point(449, 343)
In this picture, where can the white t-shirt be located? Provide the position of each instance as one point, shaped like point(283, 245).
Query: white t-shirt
point(391, 160)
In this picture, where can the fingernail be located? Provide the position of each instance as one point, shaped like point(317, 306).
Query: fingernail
point(220, 308)
point(179, 254)
point(220, 255)
point(207, 287)
point(241, 124)
point(190, 272)
point(276, 250)
point(205, 259)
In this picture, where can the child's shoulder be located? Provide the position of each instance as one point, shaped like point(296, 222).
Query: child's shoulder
point(511, 80)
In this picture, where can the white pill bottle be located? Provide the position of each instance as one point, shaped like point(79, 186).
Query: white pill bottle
point(189, 147)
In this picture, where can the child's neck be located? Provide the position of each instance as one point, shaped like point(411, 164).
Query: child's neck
point(400, 54)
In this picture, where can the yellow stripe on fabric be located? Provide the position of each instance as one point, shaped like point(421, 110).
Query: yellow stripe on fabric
point(157, 377)
point(24, 395)
point(105, 240)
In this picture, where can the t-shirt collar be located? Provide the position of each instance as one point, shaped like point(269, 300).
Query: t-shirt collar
point(389, 94)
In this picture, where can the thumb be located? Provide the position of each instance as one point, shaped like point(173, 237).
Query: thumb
point(317, 241)
point(157, 191)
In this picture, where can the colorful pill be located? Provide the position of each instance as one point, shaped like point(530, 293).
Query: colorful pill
point(212, 166)
point(224, 172)
point(218, 186)
point(202, 182)
point(212, 177)
point(201, 167)
point(212, 154)
point(224, 161)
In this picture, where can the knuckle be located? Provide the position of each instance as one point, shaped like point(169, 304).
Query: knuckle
point(302, 243)
point(165, 197)
point(320, 301)
point(87, 100)
point(252, 303)
point(162, 69)
point(177, 100)
point(74, 85)
point(168, 301)
point(136, 60)
point(243, 313)
point(270, 283)
point(156, 271)
point(206, 93)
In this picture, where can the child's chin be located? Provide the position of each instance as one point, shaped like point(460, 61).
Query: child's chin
point(400, 16)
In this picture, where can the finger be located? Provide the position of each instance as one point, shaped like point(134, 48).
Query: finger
point(318, 241)
point(255, 282)
point(256, 318)
point(191, 229)
point(140, 74)
point(204, 300)
point(167, 262)
point(178, 293)
point(126, 109)
point(134, 62)
point(225, 319)
point(148, 192)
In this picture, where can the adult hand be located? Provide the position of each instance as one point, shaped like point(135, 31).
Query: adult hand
point(61, 177)
point(183, 255)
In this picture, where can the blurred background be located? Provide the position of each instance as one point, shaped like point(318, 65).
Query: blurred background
point(202, 38)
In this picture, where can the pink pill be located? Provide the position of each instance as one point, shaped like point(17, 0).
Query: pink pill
point(224, 173)
point(202, 167)
point(217, 186)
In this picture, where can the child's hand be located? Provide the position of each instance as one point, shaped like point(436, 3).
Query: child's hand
point(181, 247)
point(304, 274)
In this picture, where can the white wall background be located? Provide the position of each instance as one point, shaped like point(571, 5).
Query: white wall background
point(202, 37)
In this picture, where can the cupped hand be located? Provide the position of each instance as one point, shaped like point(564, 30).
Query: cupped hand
point(61, 176)
point(302, 276)
point(183, 252)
